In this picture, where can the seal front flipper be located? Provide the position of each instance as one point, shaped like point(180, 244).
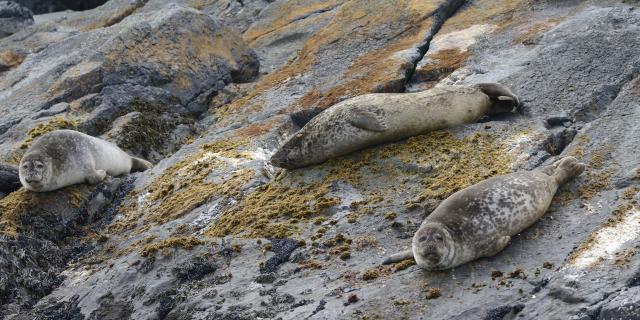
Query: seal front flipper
point(400, 256)
point(366, 120)
point(96, 176)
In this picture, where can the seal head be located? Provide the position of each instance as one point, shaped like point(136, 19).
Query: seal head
point(35, 173)
point(288, 154)
point(433, 247)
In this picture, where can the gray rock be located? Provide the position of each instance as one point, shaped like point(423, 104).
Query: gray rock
point(214, 232)
point(625, 305)
point(13, 18)
point(9, 180)
point(46, 6)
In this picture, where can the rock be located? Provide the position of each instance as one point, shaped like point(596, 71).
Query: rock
point(13, 18)
point(234, 238)
point(9, 179)
point(114, 69)
point(46, 6)
point(625, 305)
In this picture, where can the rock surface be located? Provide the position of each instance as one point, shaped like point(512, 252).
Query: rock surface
point(47, 6)
point(13, 18)
point(208, 90)
point(9, 180)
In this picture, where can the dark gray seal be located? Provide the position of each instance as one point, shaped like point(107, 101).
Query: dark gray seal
point(480, 220)
point(371, 119)
point(65, 157)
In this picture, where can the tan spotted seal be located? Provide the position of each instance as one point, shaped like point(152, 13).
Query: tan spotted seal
point(480, 220)
point(65, 157)
point(371, 119)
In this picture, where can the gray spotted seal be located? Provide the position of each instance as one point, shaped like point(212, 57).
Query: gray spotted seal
point(480, 220)
point(371, 119)
point(65, 157)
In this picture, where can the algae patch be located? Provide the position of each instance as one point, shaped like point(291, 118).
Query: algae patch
point(457, 163)
point(23, 202)
point(282, 207)
point(56, 123)
point(185, 186)
point(186, 243)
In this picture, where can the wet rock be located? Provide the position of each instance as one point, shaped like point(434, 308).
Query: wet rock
point(9, 179)
point(196, 269)
point(13, 18)
point(47, 6)
point(113, 62)
point(282, 249)
point(625, 305)
point(105, 70)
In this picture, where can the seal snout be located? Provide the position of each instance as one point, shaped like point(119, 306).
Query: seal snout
point(280, 160)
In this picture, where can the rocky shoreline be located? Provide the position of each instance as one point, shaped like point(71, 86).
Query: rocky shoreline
point(207, 90)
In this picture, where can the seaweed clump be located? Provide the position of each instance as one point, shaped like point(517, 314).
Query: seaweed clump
point(56, 123)
point(186, 243)
point(150, 129)
point(17, 205)
point(184, 186)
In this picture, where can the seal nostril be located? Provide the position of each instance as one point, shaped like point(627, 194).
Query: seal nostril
point(422, 239)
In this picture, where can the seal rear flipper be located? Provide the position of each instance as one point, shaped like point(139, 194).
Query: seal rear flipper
point(400, 256)
point(504, 99)
point(139, 165)
point(567, 168)
point(367, 120)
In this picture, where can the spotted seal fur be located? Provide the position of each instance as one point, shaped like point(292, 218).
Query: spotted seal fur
point(372, 119)
point(65, 157)
point(480, 220)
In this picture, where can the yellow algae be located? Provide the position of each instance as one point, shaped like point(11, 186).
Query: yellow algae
point(184, 186)
point(483, 11)
point(23, 202)
point(457, 163)
point(599, 173)
point(275, 209)
point(186, 243)
point(56, 123)
point(532, 32)
point(295, 10)
point(259, 211)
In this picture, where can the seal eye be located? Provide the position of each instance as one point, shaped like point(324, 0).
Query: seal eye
point(25, 166)
point(422, 239)
point(39, 166)
point(438, 237)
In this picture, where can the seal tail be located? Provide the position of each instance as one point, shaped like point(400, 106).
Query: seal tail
point(139, 165)
point(400, 256)
point(567, 168)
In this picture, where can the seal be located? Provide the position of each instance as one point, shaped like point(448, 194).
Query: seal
point(9, 180)
point(65, 157)
point(371, 119)
point(480, 220)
